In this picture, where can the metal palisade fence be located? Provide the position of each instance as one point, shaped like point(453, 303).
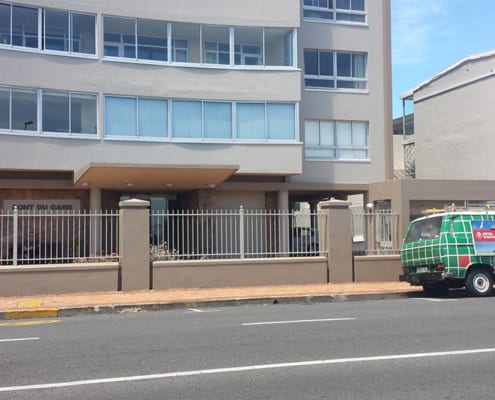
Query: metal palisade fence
point(377, 231)
point(239, 233)
point(52, 237)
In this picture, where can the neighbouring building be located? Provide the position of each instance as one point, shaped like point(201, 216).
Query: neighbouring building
point(197, 103)
point(454, 120)
point(447, 141)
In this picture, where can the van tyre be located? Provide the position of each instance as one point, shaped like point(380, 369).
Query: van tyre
point(479, 282)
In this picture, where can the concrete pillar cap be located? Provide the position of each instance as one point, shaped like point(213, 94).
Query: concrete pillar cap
point(134, 203)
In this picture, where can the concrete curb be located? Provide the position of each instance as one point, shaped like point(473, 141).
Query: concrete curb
point(131, 308)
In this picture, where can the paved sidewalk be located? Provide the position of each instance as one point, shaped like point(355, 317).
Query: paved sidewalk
point(134, 301)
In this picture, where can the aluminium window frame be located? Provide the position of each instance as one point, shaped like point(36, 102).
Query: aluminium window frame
point(334, 11)
point(335, 78)
point(70, 132)
point(336, 147)
point(70, 27)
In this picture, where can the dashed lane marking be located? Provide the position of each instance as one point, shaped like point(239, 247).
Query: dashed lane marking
point(19, 339)
point(300, 321)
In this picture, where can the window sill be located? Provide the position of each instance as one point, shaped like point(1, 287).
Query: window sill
point(353, 91)
point(199, 65)
point(336, 22)
point(47, 52)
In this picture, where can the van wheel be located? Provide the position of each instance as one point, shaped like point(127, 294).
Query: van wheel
point(436, 289)
point(479, 282)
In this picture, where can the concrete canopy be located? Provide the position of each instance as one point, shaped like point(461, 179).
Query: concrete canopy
point(151, 177)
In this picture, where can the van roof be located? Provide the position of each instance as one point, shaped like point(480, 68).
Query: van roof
point(460, 212)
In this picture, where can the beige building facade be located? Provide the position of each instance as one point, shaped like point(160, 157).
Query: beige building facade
point(193, 104)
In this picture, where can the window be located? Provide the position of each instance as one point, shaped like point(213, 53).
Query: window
point(119, 36)
point(335, 10)
point(64, 31)
point(186, 119)
point(5, 28)
point(280, 121)
point(67, 112)
point(130, 116)
point(216, 45)
point(198, 119)
point(217, 120)
point(336, 140)
point(265, 121)
point(18, 109)
point(250, 120)
point(24, 106)
point(4, 108)
point(151, 40)
point(334, 70)
point(23, 26)
point(185, 37)
point(248, 43)
point(70, 32)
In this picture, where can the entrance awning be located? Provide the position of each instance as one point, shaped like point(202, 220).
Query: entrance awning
point(144, 177)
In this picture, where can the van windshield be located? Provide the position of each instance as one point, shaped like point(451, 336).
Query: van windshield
point(424, 229)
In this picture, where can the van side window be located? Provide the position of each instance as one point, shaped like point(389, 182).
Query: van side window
point(428, 228)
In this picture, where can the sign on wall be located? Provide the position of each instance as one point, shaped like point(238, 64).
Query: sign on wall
point(43, 205)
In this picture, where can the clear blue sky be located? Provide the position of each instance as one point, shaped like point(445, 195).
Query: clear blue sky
point(430, 35)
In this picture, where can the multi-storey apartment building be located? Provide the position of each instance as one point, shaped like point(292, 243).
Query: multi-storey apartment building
point(192, 103)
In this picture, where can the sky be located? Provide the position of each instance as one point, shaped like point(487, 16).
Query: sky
point(430, 35)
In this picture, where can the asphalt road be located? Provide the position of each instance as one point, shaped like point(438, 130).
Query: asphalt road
point(389, 349)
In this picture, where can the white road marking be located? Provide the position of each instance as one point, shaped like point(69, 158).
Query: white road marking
point(19, 339)
point(433, 299)
point(201, 311)
point(246, 368)
point(300, 321)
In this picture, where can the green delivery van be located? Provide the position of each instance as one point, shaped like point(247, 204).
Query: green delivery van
point(450, 250)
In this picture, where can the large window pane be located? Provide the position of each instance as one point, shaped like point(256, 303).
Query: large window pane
point(25, 26)
point(248, 48)
point(278, 47)
point(24, 110)
point(152, 118)
point(186, 119)
point(280, 121)
point(359, 133)
point(344, 64)
point(310, 62)
point(344, 136)
point(120, 116)
point(327, 133)
point(359, 65)
point(185, 43)
point(326, 63)
point(152, 40)
point(83, 33)
point(55, 112)
point(250, 121)
point(216, 45)
point(4, 108)
point(5, 23)
point(217, 120)
point(311, 133)
point(119, 37)
point(83, 113)
point(56, 30)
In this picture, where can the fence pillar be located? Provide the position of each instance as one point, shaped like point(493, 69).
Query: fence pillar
point(134, 245)
point(338, 231)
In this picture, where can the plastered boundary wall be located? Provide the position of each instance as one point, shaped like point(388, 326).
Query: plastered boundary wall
point(135, 272)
